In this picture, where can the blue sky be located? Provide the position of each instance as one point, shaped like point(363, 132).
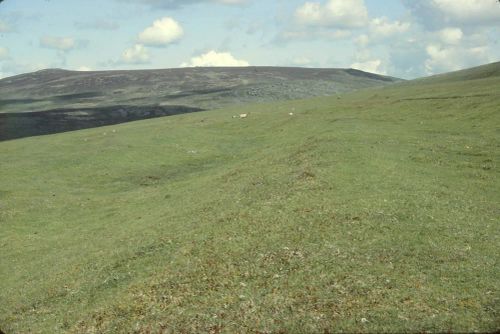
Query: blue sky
point(403, 38)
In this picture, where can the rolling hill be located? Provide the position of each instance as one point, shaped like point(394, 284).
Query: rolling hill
point(372, 211)
point(206, 88)
point(481, 72)
point(51, 101)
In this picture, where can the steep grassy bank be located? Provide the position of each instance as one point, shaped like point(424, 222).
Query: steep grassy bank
point(373, 212)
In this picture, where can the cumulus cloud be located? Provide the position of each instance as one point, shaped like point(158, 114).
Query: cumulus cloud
point(451, 58)
point(302, 61)
point(170, 4)
point(214, 58)
point(231, 2)
point(470, 11)
point(84, 68)
point(4, 27)
point(362, 40)
point(162, 33)
point(4, 53)
point(58, 43)
point(451, 35)
point(333, 13)
point(438, 13)
point(440, 51)
point(407, 59)
point(372, 66)
point(382, 27)
point(137, 54)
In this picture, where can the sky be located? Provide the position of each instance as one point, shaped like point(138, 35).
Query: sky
point(401, 38)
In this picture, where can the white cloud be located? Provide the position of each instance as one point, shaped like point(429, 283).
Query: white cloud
point(214, 58)
point(231, 2)
point(333, 13)
point(4, 53)
point(302, 61)
point(58, 43)
point(406, 59)
point(372, 66)
point(137, 54)
point(447, 35)
point(470, 11)
point(4, 27)
point(435, 14)
point(362, 40)
point(451, 35)
point(84, 68)
point(169, 4)
point(162, 33)
point(382, 27)
point(451, 58)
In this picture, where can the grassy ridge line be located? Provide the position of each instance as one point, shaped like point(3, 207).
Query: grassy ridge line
point(481, 72)
point(374, 206)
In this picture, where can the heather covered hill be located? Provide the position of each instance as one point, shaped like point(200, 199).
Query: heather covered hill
point(205, 88)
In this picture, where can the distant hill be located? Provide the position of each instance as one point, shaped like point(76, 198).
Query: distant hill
point(55, 100)
point(480, 72)
point(206, 88)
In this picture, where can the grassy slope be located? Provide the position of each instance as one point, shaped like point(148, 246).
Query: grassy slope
point(480, 72)
point(379, 206)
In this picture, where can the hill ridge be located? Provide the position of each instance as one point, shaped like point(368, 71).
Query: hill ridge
point(474, 73)
point(226, 85)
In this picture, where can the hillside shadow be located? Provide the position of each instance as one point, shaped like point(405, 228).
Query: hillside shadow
point(27, 124)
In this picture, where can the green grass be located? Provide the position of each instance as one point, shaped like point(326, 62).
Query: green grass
point(374, 212)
